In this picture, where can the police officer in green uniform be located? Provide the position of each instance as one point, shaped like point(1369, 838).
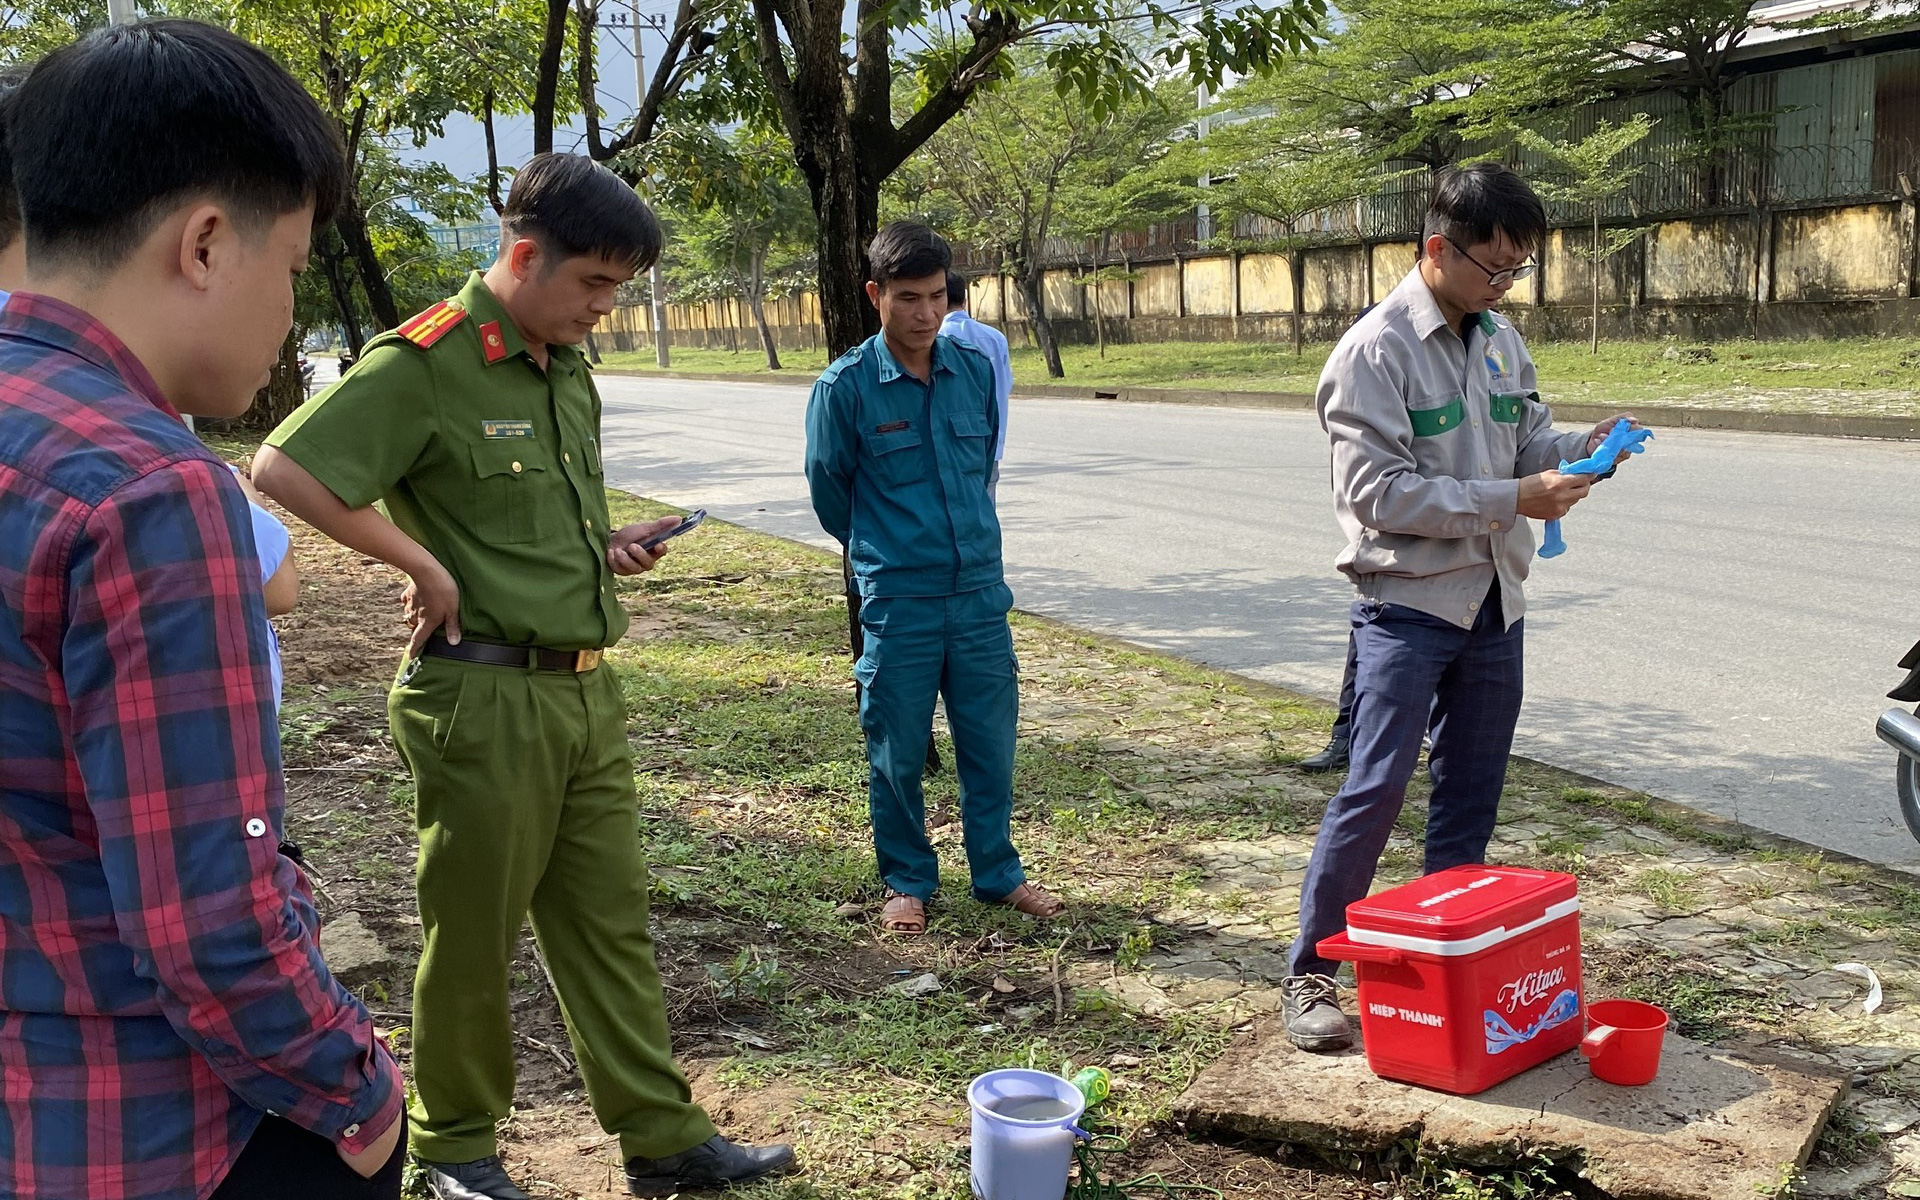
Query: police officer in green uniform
point(478, 426)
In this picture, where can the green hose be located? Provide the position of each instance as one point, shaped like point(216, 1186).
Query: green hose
point(1091, 1187)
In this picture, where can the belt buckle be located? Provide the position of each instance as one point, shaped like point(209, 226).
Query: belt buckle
point(586, 660)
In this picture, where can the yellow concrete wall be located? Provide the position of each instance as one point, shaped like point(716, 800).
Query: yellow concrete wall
point(1112, 297)
point(1391, 262)
point(983, 298)
point(1835, 253)
point(1334, 280)
point(1063, 295)
point(1709, 258)
point(1157, 292)
point(1266, 284)
point(1567, 274)
point(1209, 286)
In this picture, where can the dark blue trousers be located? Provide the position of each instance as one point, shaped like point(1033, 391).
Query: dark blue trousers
point(1412, 669)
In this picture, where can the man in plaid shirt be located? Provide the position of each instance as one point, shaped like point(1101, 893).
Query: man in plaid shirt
point(168, 1030)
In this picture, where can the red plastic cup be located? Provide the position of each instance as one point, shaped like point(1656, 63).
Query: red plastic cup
point(1623, 1041)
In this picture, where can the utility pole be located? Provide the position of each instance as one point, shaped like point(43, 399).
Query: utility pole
point(655, 284)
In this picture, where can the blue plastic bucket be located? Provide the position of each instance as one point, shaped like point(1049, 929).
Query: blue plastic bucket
point(1015, 1158)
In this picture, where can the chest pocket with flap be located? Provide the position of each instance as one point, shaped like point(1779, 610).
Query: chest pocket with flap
point(1437, 416)
point(971, 440)
point(507, 487)
point(896, 456)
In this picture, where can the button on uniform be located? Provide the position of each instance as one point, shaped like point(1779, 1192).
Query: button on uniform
point(256, 828)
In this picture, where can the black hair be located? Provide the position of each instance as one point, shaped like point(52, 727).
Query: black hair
point(956, 290)
point(111, 131)
point(1470, 203)
point(574, 206)
point(907, 250)
point(12, 76)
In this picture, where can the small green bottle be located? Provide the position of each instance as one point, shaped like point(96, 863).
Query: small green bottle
point(1095, 1084)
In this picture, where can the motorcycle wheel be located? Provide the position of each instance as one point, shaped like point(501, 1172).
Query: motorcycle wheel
point(1906, 780)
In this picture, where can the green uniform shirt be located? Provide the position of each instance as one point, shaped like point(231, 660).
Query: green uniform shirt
point(490, 463)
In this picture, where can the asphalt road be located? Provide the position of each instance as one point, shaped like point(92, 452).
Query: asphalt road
point(1720, 633)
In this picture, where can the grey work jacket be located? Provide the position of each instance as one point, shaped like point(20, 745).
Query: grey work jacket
point(1431, 435)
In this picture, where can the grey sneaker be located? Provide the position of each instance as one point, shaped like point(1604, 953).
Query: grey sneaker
point(1311, 1008)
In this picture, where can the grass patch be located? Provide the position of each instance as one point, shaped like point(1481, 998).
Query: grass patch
point(1800, 936)
point(1643, 810)
point(1705, 1003)
point(1672, 889)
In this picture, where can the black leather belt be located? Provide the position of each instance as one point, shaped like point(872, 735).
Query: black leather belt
point(540, 658)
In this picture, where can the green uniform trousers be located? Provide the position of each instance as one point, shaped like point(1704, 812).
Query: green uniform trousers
point(525, 803)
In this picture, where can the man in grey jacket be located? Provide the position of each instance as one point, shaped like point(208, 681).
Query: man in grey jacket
point(1441, 448)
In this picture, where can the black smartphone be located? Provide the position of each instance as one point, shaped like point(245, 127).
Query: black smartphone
point(659, 539)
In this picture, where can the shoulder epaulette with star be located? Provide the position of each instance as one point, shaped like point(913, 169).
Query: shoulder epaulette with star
point(433, 324)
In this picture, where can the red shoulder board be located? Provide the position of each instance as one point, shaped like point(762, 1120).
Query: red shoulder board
point(492, 343)
point(432, 325)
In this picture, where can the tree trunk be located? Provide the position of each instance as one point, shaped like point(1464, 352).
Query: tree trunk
point(1099, 312)
point(546, 91)
point(847, 215)
point(1297, 267)
point(756, 300)
point(285, 390)
point(352, 225)
point(1595, 349)
point(493, 156)
point(334, 267)
point(1030, 286)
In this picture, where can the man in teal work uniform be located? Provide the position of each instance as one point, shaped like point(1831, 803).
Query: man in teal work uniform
point(900, 437)
point(478, 425)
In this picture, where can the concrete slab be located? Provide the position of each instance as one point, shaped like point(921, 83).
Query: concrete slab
point(1714, 1126)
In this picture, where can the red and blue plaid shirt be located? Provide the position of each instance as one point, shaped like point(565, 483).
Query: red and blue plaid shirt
point(161, 984)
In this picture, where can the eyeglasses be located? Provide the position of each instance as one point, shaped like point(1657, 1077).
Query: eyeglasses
point(1497, 278)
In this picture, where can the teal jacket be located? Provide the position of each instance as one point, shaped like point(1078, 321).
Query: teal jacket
point(898, 469)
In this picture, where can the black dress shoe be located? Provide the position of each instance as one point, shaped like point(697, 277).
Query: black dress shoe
point(1333, 758)
point(714, 1163)
point(481, 1179)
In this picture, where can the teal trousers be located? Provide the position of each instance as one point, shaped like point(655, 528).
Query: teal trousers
point(958, 648)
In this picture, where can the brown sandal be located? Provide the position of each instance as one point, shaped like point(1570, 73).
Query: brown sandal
point(903, 914)
point(1035, 903)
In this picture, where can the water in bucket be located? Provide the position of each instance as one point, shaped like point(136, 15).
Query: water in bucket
point(1023, 1134)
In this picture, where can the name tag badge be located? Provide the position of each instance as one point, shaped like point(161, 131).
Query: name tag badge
point(893, 427)
point(506, 429)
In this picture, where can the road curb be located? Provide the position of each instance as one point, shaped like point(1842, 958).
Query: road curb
point(1730, 420)
point(1711, 824)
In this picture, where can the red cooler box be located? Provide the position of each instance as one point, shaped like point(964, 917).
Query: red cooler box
point(1468, 976)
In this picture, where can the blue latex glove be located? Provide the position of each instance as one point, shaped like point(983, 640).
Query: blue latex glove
point(1627, 437)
